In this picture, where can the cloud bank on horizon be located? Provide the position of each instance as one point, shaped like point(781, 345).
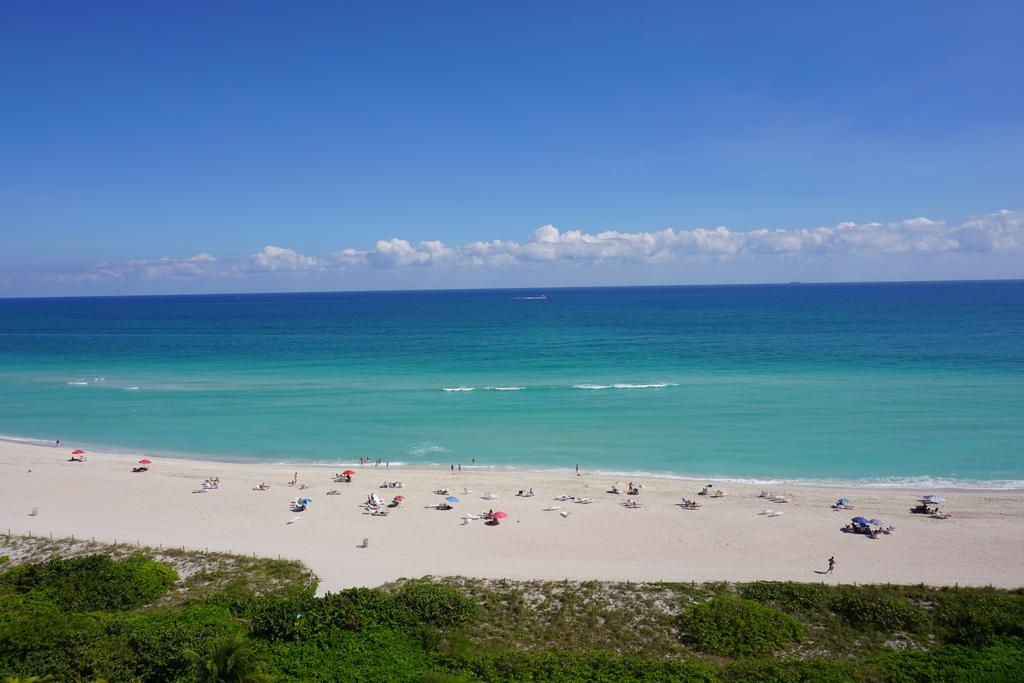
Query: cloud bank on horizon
point(996, 234)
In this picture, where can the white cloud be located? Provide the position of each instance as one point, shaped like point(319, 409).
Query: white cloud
point(278, 258)
point(1000, 233)
point(144, 269)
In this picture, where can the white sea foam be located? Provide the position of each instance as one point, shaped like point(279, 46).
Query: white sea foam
point(458, 388)
point(505, 388)
point(595, 387)
point(426, 448)
point(78, 384)
point(25, 439)
point(131, 388)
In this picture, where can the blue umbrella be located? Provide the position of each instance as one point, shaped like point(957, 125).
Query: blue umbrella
point(860, 520)
point(304, 501)
point(877, 522)
point(842, 501)
point(452, 499)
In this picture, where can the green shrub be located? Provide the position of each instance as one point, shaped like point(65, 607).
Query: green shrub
point(556, 667)
point(357, 609)
point(728, 625)
point(280, 619)
point(867, 608)
point(981, 617)
point(947, 663)
point(94, 582)
point(436, 604)
point(779, 671)
point(787, 595)
point(342, 655)
point(118, 647)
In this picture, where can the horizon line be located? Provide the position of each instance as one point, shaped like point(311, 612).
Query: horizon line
point(1013, 278)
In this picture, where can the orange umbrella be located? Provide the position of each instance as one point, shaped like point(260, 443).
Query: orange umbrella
point(78, 452)
point(145, 462)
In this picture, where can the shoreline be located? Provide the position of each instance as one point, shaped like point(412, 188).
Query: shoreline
point(930, 483)
point(728, 539)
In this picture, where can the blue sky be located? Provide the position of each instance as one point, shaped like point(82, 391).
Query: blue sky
point(243, 146)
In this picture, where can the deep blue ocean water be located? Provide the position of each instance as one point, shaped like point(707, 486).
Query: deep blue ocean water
point(886, 382)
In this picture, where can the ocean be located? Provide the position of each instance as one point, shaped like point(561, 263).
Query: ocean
point(917, 384)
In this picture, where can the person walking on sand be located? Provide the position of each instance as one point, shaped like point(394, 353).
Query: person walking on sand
point(831, 564)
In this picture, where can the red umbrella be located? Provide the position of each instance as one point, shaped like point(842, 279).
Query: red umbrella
point(78, 452)
point(500, 515)
point(145, 462)
point(347, 472)
point(399, 499)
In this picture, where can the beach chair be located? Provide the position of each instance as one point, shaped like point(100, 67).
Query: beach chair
point(553, 508)
point(565, 513)
point(489, 496)
point(584, 501)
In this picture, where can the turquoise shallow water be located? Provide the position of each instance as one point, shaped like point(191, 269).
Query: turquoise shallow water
point(893, 383)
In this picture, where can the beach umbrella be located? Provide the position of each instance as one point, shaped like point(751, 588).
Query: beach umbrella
point(144, 461)
point(399, 499)
point(934, 499)
point(860, 520)
point(842, 501)
point(78, 452)
point(304, 501)
point(876, 522)
point(452, 499)
point(347, 472)
point(500, 515)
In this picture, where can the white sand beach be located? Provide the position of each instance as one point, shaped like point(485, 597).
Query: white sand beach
point(727, 539)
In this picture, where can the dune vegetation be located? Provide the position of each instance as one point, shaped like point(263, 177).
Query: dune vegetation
point(83, 612)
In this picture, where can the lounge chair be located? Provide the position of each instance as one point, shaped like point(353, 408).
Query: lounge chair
point(489, 496)
point(553, 508)
point(584, 501)
point(565, 513)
